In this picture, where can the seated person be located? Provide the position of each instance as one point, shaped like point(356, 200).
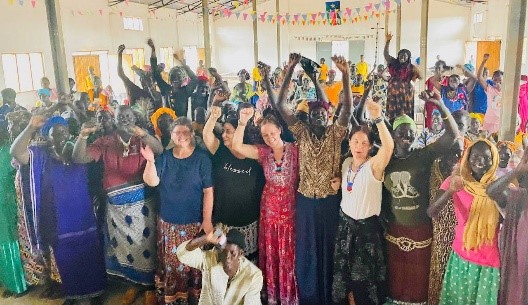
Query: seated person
point(227, 276)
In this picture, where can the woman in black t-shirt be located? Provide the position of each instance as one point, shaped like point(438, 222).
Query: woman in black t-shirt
point(238, 182)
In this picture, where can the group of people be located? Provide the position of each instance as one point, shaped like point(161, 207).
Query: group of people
point(307, 191)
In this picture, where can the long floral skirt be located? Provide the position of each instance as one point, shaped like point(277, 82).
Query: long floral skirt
point(174, 280)
point(400, 99)
point(359, 261)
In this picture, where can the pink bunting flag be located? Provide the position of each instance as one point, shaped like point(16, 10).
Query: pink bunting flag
point(349, 11)
point(279, 17)
point(79, 13)
point(33, 3)
point(314, 16)
point(368, 7)
point(387, 5)
point(296, 17)
point(120, 14)
point(244, 16)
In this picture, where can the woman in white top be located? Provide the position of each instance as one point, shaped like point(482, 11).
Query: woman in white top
point(359, 264)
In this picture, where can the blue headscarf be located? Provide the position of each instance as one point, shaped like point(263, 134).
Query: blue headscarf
point(56, 120)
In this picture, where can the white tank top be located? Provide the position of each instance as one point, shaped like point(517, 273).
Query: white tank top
point(361, 194)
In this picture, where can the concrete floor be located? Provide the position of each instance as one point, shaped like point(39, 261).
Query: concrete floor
point(112, 296)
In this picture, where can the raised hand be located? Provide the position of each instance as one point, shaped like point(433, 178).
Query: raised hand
point(147, 153)
point(216, 112)
point(295, 58)
point(246, 114)
point(37, 121)
point(388, 37)
point(522, 167)
point(150, 42)
point(486, 56)
point(88, 128)
point(373, 108)
point(342, 64)
point(264, 69)
point(220, 97)
point(121, 48)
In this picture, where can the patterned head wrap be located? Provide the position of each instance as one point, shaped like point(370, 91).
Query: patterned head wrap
point(156, 115)
point(511, 146)
point(481, 226)
point(318, 104)
point(477, 116)
point(56, 120)
point(404, 119)
point(244, 73)
point(303, 106)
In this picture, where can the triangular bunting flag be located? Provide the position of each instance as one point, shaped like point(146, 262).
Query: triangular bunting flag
point(283, 21)
point(235, 3)
point(287, 17)
point(377, 15)
point(318, 22)
point(398, 2)
point(304, 16)
point(21, 2)
point(344, 20)
point(358, 9)
point(387, 4)
point(293, 22)
point(377, 6)
point(254, 17)
point(324, 21)
point(33, 3)
point(244, 16)
point(279, 17)
point(314, 16)
point(11, 2)
point(120, 14)
point(304, 23)
point(101, 12)
point(366, 17)
point(296, 17)
point(368, 7)
point(126, 1)
point(270, 17)
point(237, 15)
point(349, 11)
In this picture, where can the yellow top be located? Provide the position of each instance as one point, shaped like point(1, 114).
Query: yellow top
point(362, 68)
point(256, 75)
point(332, 92)
point(324, 73)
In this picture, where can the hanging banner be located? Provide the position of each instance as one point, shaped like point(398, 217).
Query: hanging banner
point(333, 9)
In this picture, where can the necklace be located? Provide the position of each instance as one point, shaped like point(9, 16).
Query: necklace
point(278, 165)
point(351, 175)
point(126, 146)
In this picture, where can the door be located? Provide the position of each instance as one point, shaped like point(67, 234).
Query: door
point(81, 64)
point(324, 50)
point(355, 49)
point(493, 48)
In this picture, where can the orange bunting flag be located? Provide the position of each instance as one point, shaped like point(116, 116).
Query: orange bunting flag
point(324, 21)
point(344, 20)
point(304, 23)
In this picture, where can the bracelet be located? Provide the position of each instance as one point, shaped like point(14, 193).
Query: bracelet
point(378, 120)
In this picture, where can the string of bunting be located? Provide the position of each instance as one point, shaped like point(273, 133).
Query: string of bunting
point(373, 10)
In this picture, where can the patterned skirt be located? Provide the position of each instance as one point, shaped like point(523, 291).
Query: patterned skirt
point(468, 283)
point(174, 280)
point(443, 236)
point(131, 234)
point(359, 261)
point(400, 99)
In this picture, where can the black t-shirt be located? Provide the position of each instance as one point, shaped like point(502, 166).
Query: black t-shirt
point(406, 187)
point(238, 185)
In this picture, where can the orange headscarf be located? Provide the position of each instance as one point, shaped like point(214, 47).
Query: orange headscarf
point(156, 115)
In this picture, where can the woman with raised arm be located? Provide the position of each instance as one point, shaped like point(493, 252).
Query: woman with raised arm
point(238, 181)
point(317, 207)
point(493, 89)
point(405, 201)
point(279, 161)
point(472, 272)
point(131, 214)
point(64, 220)
point(359, 262)
point(400, 90)
point(183, 175)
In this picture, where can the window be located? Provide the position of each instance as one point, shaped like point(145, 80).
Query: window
point(166, 57)
point(138, 60)
point(477, 18)
point(23, 71)
point(133, 23)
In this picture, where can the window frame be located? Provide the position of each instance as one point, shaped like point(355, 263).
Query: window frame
point(35, 83)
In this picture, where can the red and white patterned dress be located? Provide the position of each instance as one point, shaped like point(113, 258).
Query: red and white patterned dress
point(277, 224)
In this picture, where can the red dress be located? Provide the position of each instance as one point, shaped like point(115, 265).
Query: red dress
point(277, 224)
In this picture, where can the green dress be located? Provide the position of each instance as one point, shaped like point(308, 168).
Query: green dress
point(11, 271)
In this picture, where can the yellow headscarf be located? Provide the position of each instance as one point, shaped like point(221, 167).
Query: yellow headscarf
point(481, 226)
point(511, 146)
point(156, 115)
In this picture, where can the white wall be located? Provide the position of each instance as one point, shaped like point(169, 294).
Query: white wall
point(449, 29)
point(26, 30)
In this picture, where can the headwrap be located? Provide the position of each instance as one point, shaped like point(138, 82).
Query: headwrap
point(481, 226)
point(156, 115)
point(469, 67)
point(403, 119)
point(55, 120)
point(303, 106)
point(477, 116)
point(511, 146)
point(318, 104)
point(244, 73)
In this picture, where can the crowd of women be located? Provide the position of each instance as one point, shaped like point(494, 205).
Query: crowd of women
point(340, 200)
